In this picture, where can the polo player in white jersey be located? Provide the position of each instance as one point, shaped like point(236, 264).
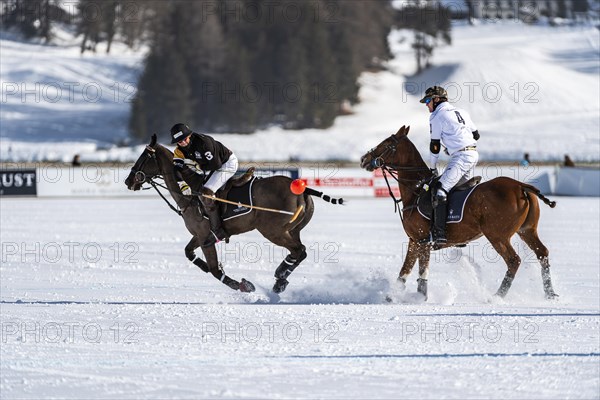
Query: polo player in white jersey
point(452, 128)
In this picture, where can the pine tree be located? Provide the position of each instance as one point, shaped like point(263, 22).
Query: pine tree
point(138, 18)
point(90, 23)
point(320, 111)
point(109, 21)
point(429, 25)
point(33, 18)
point(239, 74)
point(164, 93)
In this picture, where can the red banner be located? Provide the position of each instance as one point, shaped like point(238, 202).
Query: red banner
point(340, 182)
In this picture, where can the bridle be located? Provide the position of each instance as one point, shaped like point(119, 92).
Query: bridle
point(379, 161)
point(394, 169)
point(140, 177)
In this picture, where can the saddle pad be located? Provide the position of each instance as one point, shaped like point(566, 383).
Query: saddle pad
point(242, 195)
point(456, 205)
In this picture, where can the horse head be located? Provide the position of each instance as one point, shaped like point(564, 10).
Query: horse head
point(389, 152)
point(145, 168)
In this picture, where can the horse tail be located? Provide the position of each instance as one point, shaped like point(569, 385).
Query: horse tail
point(325, 197)
point(532, 189)
point(304, 212)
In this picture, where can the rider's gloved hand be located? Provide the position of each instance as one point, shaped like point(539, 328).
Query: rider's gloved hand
point(185, 189)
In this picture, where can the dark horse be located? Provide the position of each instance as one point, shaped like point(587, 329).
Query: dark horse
point(496, 209)
point(273, 193)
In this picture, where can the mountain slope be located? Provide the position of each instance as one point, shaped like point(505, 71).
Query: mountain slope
point(530, 89)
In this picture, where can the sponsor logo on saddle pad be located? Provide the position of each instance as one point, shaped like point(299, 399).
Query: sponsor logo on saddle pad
point(239, 195)
point(240, 209)
point(456, 205)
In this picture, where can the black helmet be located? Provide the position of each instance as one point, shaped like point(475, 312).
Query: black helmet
point(179, 132)
point(435, 92)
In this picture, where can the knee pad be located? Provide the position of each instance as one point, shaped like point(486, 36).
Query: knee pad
point(441, 195)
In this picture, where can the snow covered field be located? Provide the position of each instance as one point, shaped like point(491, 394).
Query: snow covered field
point(98, 301)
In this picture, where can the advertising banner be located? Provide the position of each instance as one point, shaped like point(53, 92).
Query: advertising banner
point(18, 182)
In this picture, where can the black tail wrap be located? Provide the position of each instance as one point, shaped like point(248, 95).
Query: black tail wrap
point(325, 197)
point(536, 191)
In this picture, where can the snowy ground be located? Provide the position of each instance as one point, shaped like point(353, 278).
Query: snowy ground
point(98, 301)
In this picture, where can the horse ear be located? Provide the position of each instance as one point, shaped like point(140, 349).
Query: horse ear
point(153, 140)
point(402, 131)
point(407, 130)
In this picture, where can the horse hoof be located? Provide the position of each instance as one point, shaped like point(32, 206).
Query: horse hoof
point(551, 296)
point(402, 284)
point(422, 287)
point(280, 285)
point(246, 286)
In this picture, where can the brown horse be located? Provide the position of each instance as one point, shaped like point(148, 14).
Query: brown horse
point(496, 209)
point(273, 193)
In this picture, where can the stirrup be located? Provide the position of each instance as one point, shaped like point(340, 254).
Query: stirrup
point(427, 240)
point(440, 240)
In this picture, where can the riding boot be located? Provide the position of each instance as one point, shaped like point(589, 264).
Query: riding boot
point(216, 224)
point(440, 210)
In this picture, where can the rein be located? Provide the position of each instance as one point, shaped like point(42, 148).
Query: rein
point(393, 170)
point(151, 154)
point(171, 206)
point(391, 192)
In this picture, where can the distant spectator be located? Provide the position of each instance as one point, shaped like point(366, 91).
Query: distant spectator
point(525, 161)
point(568, 162)
point(76, 162)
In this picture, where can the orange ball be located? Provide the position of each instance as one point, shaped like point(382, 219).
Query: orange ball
point(298, 186)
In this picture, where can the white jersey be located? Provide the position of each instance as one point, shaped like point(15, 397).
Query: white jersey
point(453, 126)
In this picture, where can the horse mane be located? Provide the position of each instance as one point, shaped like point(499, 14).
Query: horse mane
point(163, 149)
point(417, 158)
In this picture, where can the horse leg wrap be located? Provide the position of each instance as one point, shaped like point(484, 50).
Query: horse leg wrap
point(422, 287)
point(227, 281)
point(286, 268)
point(547, 280)
point(505, 286)
point(288, 265)
point(232, 283)
point(197, 261)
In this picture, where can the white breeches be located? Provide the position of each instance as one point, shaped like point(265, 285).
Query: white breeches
point(220, 177)
point(459, 169)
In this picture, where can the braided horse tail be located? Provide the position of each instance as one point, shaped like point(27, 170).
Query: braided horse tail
point(325, 197)
point(532, 189)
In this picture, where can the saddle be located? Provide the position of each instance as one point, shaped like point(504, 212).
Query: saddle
point(456, 200)
point(236, 182)
point(238, 190)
